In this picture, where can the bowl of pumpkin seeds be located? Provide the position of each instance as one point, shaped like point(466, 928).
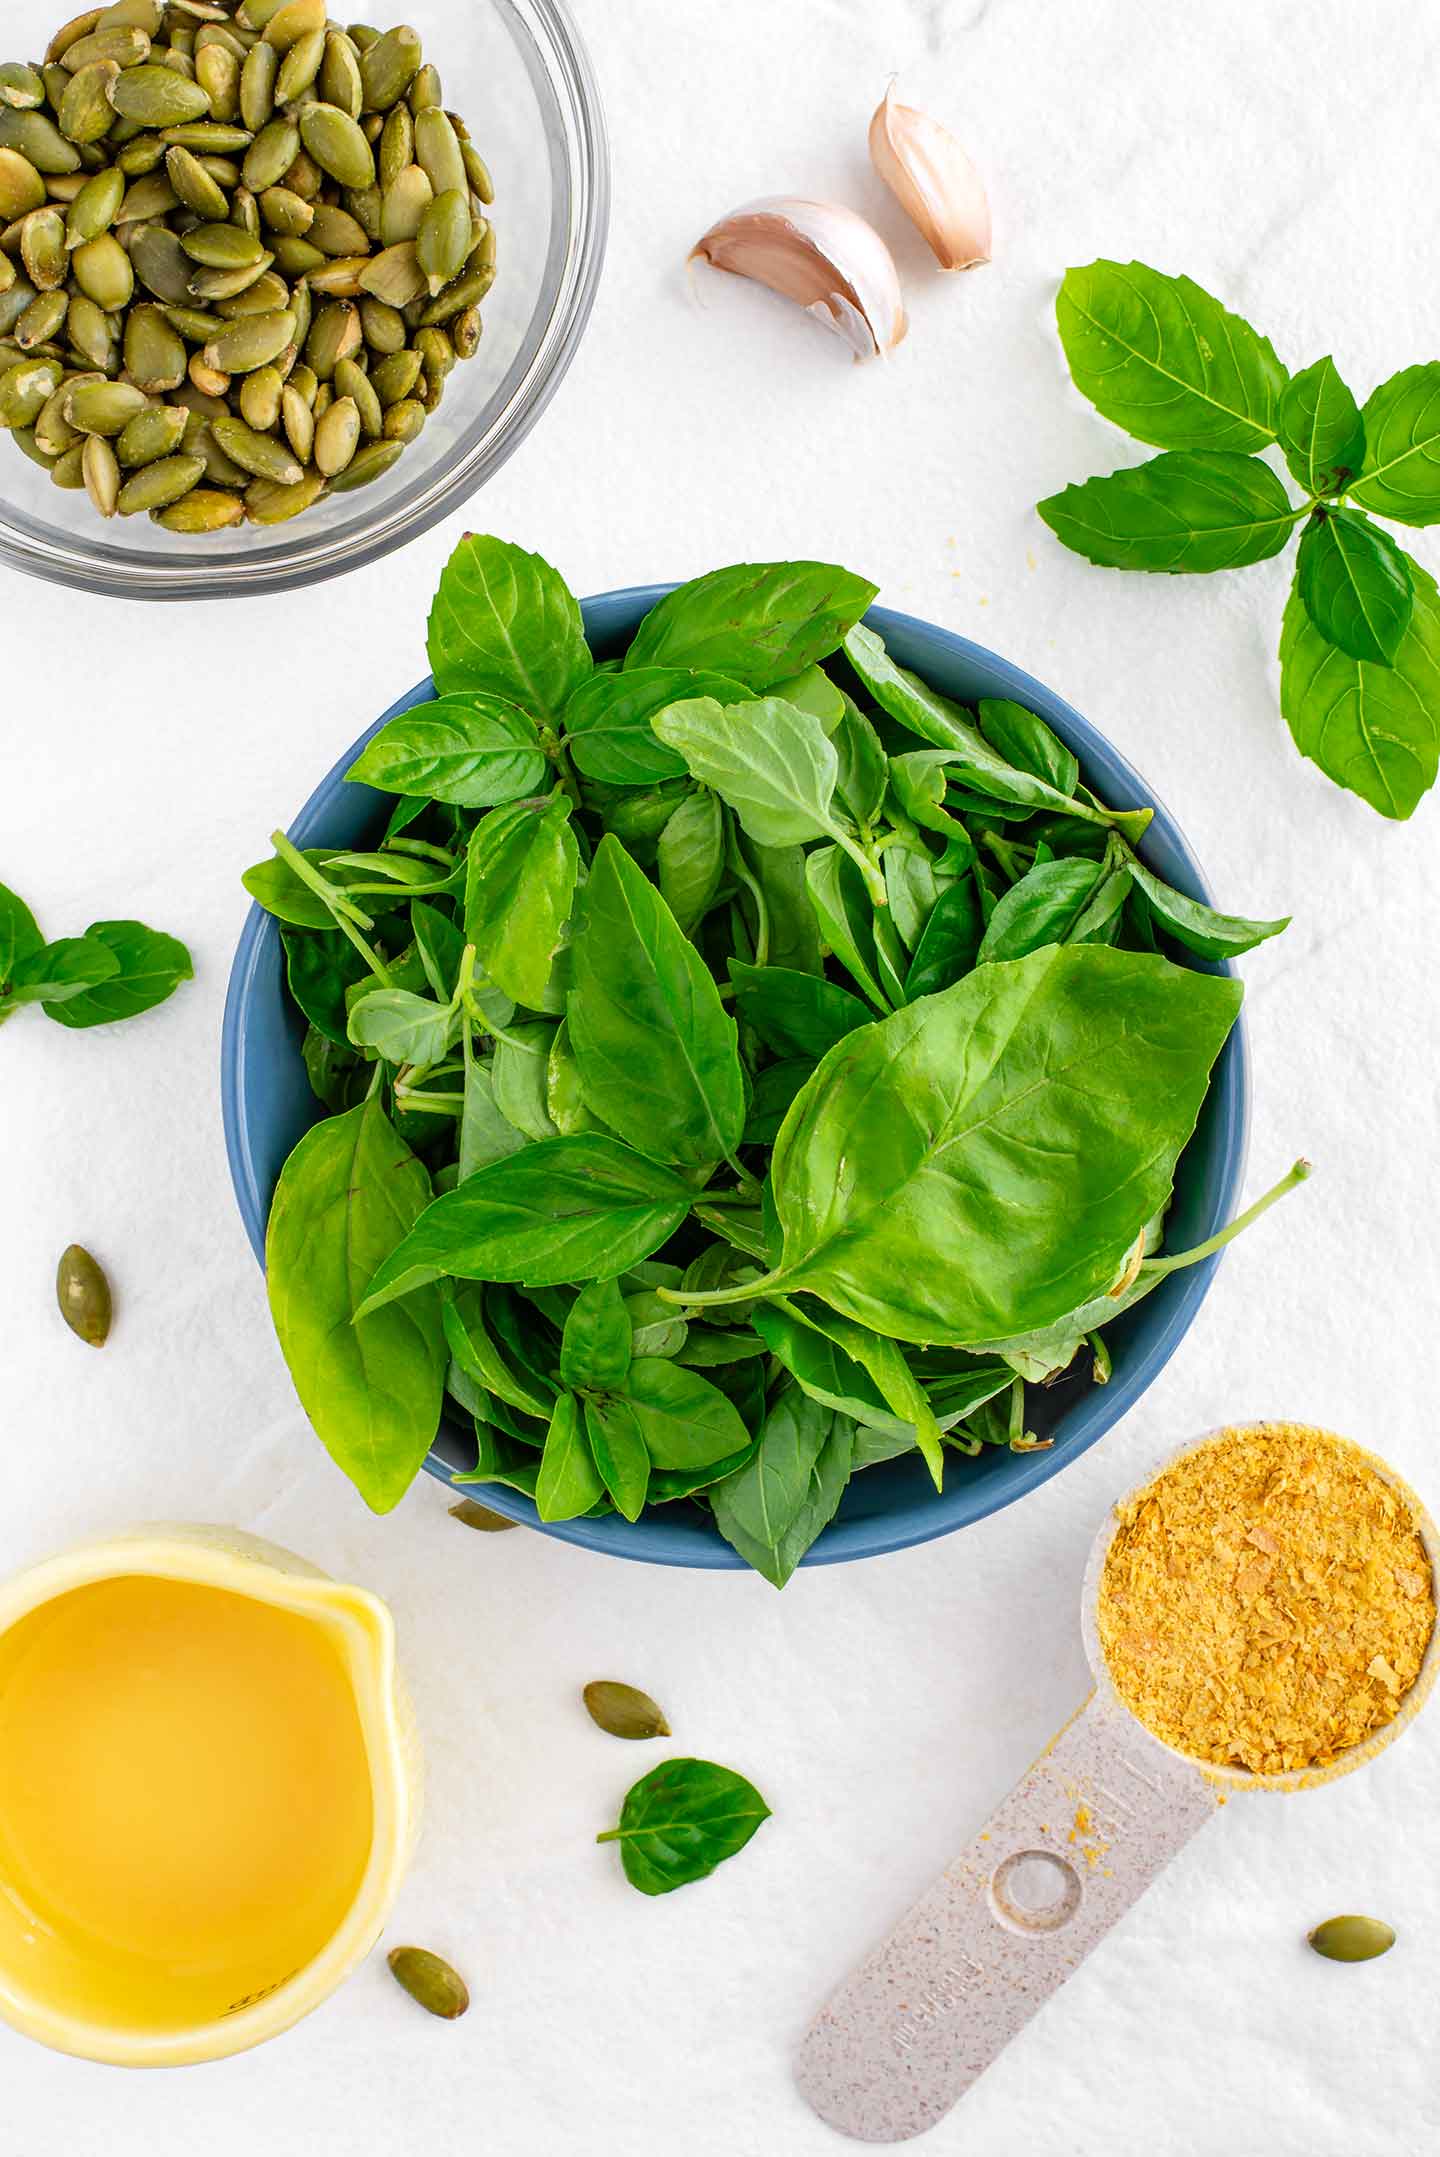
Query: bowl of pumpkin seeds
point(277, 291)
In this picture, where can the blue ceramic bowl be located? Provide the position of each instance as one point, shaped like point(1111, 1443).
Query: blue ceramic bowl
point(268, 1105)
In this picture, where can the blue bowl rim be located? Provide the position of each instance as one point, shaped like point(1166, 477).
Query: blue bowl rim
point(935, 1516)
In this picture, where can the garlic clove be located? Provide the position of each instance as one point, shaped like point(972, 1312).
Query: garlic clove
point(933, 181)
point(822, 256)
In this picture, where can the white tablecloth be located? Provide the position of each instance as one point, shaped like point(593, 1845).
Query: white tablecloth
point(1285, 156)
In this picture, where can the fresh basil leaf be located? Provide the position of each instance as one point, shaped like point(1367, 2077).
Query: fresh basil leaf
point(1375, 730)
point(919, 782)
point(823, 1370)
point(772, 1509)
point(847, 921)
point(684, 1420)
point(955, 1397)
point(470, 1343)
point(1185, 512)
point(682, 1820)
point(758, 621)
point(935, 718)
point(441, 946)
point(1043, 908)
point(568, 1483)
point(1103, 916)
point(1355, 583)
point(595, 1351)
point(564, 1094)
point(911, 888)
point(520, 883)
point(1401, 478)
point(486, 1133)
point(707, 1347)
point(338, 1075)
point(149, 967)
point(520, 1074)
point(775, 1089)
point(320, 966)
point(1024, 740)
point(402, 1028)
point(501, 1459)
point(612, 1427)
point(657, 1329)
point(471, 749)
point(655, 1046)
point(607, 721)
point(794, 933)
point(811, 690)
point(794, 1014)
point(568, 1209)
point(744, 1227)
point(1200, 928)
point(70, 967)
point(370, 1384)
point(505, 622)
point(949, 943)
point(889, 1373)
point(19, 934)
point(691, 858)
point(1164, 360)
point(1320, 429)
point(864, 768)
point(1023, 1169)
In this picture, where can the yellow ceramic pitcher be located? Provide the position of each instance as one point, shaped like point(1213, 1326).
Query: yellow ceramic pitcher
point(209, 1793)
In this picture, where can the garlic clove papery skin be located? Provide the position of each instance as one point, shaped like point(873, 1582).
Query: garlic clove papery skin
point(822, 256)
point(933, 181)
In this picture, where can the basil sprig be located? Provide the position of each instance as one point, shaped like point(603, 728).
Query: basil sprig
point(1360, 644)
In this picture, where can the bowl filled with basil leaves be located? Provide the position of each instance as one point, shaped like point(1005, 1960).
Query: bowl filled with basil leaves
point(730, 1073)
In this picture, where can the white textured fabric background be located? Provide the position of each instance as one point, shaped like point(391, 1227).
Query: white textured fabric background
point(1286, 156)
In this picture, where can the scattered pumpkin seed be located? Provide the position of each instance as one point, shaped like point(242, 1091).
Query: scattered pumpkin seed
point(431, 1983)
point(83, 1294)
point(624, 1712)
point(471, 1515)
point(1352, 1939)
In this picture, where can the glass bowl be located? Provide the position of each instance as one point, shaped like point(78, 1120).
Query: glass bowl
point(518, 72)
point(268, 1106)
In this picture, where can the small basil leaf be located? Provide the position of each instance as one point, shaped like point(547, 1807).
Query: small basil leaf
point(1401, 478)
point(1355, 583)
point(684, 1420)
point(795, 1014)
point(682, 1820)
point(618, 1449)
point(504, 621)
point(403, 1028)
point(1186, 512)
point(149, 967)
point(773, 1508)
point(757, 621)
point(19, 934)
point(595, 1351)
point(520, 1073)
point(1320, 429)
point(1041, 909)
point(1025, 741)
point(568, 1483)
point(949, 943)
point(320, 966)
point(472, 749)
point(486, 1134)
point(67, 968)
point(520, 882)
point(607, 721)
point(1198, 927)
point(691, 858)
point(479, 1356)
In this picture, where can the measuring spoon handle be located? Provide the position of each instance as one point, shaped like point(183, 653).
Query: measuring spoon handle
point(1100, 1813)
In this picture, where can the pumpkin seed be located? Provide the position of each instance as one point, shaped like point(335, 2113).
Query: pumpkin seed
point(155, 356)
point(100, 470)
point(217, 70)
point(14, 301)
point(385, 327)
point(43, 250)
point(295, 20)
point(394, 275)
point(83, 1294)
point(159, 485)
point(157, 96)
point(352, 381)
point(215, 284)
point(38, 140)
point(56, 83)
point(337, 437)
point(68, 471)
point(443, 242)
point(103, 408)
point(339, 279)
point(147, 15)
point(389, 66)
point(104, 272)
point(85, 112)
point(296, 257)
point(437, 148)
point(371, 461)
point(71, 32)
point(123, 45)
point(397, 146)
point(208, 136)
point(299, 67)
point(194, 186)
point(259, 454)
point(425, 90)
point(396, 376)
point(465, 293)
point(270, 155)
point(43, 320)
point(337, 145)
point(21, 187)
point(260, 399)
point(297, 421)
point(305, 177)
point(1352, 1939)
point(196, 324)
point(362, 36)
point(161, 263)
point(465, 333)
point(477, 172)
point(96, 207)
point(156, 432)
point(253, 341)
point(152, 195)
point(404, 421)
point(403, 205)
point(266, 296)
point(471, 1515)
point(141, 154)
point(257, 86)
point(202, 510)
point(622, 1711)
point(223, 247)
point(211, 381)
point(92, 333)
point(21, 87)
point(285, 212)
point(53, 433)
point(268, 503)
point(334, 335)
point(336, 232)
point(431, 1983)
point(341, 82)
